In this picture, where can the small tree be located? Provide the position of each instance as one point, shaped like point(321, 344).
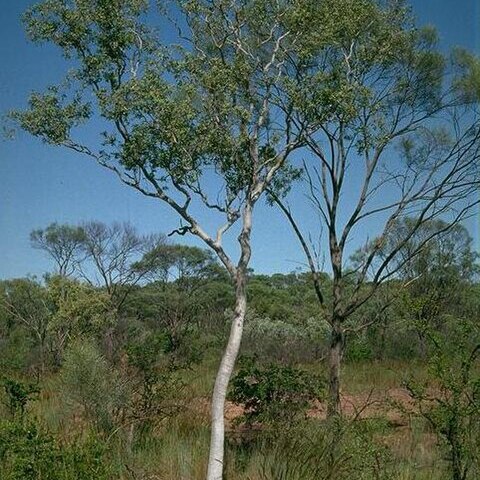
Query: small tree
point(18, 396)
point(175, 297)
point(62, 243)
point(438, 265)
point(26, 302)
point(115, 257)
point(450, 401)
point(89, 381)
point(78, 310)
point(274, 392)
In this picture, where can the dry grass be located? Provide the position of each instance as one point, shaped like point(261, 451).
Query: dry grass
point(178, 449)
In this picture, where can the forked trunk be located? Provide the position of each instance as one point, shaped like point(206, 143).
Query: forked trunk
point(215, 461)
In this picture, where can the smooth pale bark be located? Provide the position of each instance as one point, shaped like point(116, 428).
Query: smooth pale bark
point(215, 461)
point(217, 438)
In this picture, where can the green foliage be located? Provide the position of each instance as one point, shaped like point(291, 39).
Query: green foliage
point(287, 340)
point(87, 459)
point(360, 41)
point(28, 453)
point(327, 451)
point(450, 400)
point(274, 393)
point(80, 310)
point(51, 116)
point(435, 270)
point(284, 296)
point(17, 351)
point(144, 353)
point(18, 395)
point(53, 314)
point(156, 381)
point(88, 381)
point(468, 75)
point(24, 303)
point(358, 348)
point(162, 102)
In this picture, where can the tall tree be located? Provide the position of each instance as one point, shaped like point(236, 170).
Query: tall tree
point(389, 134)
point(204, 124)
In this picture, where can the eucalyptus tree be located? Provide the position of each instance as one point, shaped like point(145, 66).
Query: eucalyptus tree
point(115, 257)
point(62, 243)
point(392, 131)
point(200, 123)
point(438, 264)
point(25, 302)
point(176, 295)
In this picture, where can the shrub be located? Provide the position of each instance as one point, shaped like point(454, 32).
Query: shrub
point(337, 450)
point(450, 401)
point(18, 395)
point(88, 380)
point(17, 352)
point(284, 340)
point(154, 370)
point(358, 348)
point(273, 392)
point(28, 453)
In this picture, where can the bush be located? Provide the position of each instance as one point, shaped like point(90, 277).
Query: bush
point(284, 340)
point(324, 451)
point(88, 380)
point(27, 453)
point(358, 348)
point(450, 400)
point(273, 392)
point(18, 395)
point(153, 369)
point(17, 352)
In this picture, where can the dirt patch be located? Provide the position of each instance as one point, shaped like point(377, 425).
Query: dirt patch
point(393, 404)
point(201, 406)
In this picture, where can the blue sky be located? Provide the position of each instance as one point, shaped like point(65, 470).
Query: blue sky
point(42, 184)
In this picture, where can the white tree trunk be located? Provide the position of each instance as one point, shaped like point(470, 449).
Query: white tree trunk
point(215, 460)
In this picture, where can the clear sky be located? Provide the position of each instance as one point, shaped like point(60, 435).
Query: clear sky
point(42, 184)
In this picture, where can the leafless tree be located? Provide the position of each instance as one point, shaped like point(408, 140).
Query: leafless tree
point(117, 258)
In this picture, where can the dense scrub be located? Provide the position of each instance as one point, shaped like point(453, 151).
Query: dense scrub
point(93, 391)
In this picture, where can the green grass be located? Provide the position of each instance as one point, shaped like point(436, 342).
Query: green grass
point(361, 377)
